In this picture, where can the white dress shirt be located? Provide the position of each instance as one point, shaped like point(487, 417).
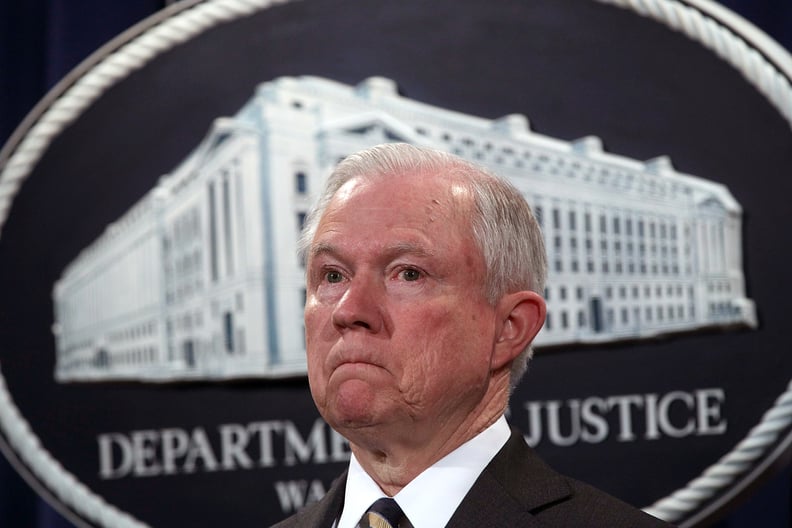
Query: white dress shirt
point(432, 497)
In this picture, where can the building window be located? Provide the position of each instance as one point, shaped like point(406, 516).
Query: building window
point(228, 332)
point(300, 182)
point(188, 350)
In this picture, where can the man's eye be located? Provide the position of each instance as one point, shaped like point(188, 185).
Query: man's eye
point(411, 274)
point(334, 276)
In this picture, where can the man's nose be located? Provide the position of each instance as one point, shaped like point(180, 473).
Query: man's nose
point(360, 307)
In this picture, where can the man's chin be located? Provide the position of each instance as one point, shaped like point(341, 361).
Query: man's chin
point(349, 414)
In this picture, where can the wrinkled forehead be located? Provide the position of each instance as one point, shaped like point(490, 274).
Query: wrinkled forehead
point(404, 214)
point(442, 190)
point(437, 205)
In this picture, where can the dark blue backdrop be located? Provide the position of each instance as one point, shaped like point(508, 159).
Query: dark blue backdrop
point(42, 40)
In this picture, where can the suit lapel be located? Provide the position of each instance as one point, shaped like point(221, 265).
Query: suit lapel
point(322, 514)
point(514, 485)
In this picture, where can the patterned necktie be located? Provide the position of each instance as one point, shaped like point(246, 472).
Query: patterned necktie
point(384, 513)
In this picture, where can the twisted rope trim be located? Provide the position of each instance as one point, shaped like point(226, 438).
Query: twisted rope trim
point(762, 74)
point(65, 110)
point(697, 26)
point(60, 482)
point(108, 72)
point(730, 467)
point(776, 87)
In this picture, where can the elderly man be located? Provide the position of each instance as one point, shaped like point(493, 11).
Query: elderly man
point(424, 275)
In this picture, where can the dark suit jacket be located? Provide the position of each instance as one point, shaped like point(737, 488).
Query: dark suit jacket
point(516, 489)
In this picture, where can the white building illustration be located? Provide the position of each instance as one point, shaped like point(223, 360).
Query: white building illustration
point(200, 279)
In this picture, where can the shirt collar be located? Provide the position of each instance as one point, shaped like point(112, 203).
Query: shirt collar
point(433, 496)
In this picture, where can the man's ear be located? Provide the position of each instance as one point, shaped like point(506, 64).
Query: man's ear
point(521, 316)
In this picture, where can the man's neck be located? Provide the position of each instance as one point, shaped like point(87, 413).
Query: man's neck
point(393, 462)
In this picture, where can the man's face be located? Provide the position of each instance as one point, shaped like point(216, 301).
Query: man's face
point(399, 334)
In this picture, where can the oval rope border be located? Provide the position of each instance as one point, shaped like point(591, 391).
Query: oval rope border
point(775, 86)
point(193, 20)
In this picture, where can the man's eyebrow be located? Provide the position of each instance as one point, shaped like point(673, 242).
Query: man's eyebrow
point(391, 251)
point(408, 248)
point(322, 248)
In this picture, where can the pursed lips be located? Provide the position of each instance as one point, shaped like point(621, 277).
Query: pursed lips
point(352, 358)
